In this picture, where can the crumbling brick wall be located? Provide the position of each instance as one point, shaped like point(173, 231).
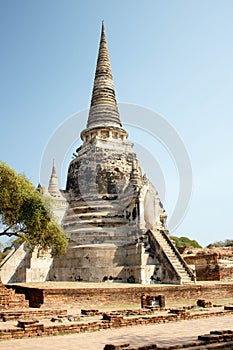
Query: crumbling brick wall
point(213, 264)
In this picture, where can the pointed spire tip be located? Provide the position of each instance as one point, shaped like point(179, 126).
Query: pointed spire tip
point(103, 110)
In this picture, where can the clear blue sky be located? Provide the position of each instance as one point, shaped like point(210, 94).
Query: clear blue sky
point(174, 57)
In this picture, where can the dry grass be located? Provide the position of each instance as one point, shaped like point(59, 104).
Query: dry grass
point(81, 285)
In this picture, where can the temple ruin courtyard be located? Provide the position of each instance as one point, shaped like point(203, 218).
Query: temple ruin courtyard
point(89, 316)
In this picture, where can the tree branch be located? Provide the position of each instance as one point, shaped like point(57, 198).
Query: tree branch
point(5, 231)
point(9, 234)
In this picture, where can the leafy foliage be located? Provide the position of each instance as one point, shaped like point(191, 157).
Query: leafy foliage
point(25, 214)
point(3, 255)
point(226, 243)
point(181, 242)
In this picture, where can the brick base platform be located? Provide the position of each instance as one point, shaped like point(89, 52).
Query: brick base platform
point(84, 297)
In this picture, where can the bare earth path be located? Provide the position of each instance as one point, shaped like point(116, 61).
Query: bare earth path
point(161, 334)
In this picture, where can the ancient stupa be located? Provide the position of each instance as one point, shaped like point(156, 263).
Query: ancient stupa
point(114, 220)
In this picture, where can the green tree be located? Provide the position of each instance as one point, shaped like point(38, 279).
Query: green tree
point(181, 242)
point(26, 215)
point(218, 244)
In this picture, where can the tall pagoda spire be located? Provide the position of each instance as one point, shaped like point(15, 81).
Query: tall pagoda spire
point(53, 183)
point(103, 109)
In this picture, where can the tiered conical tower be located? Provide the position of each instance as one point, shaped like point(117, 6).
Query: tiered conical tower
point(53, 188)
point(98, 181)
point(115, 221)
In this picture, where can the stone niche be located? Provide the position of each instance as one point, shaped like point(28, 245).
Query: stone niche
point(148, 301)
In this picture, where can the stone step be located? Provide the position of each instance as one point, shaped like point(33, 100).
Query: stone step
point(172, 256)
point(89, 207)
point(176, 261)
point(96, 214)
point(183, 274)
point(97, 229)
point(95, 221)
point(180, 269)
point(88, 228)
point(95, 203)
point(169, 252)
point(177, 264)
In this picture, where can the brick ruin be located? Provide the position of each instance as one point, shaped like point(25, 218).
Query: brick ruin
point(10, 300)
point(113, 216)
point(47, 322)
point(211, 264)
point(107, 295)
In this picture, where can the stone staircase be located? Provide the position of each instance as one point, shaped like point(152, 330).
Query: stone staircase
point(172, 254)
